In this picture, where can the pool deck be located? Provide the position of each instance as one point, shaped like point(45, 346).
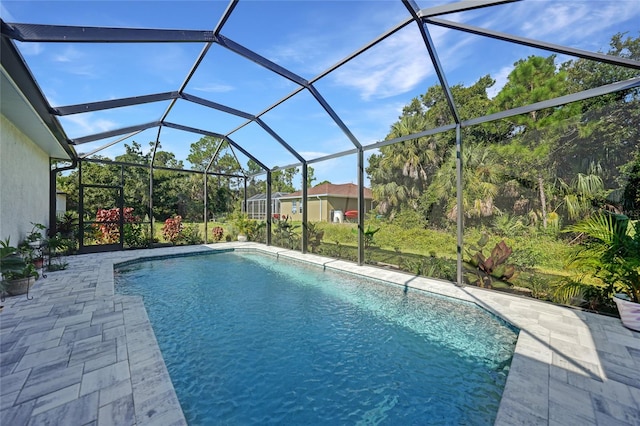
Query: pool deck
point(78, 354)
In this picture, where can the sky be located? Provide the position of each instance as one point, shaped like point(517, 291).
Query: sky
point(306, 37)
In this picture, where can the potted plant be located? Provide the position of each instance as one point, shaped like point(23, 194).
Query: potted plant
point(18, 273)
point(55, 246)
point(34, 238)
point(243, 225)
point(611, 252)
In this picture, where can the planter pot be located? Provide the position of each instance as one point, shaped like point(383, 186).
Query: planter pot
point(19, 286)
point(242, 238)
point(35, 244)
point(629, 312)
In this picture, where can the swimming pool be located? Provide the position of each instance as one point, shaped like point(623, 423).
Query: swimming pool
point(251, 339)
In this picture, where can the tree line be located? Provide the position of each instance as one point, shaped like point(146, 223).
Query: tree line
point(545, 168)
point(175, 192)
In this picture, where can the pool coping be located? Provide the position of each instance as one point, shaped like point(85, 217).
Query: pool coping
point(569, 366)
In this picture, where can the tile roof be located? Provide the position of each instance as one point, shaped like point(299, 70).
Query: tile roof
point(347, 190)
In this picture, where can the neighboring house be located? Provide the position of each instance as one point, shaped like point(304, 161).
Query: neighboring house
point(61, 203)
point(257, 205)
point(325, 203)
point(26, 145)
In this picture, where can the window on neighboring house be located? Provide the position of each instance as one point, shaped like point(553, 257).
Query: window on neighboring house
point(294, 208)
point(300, 206)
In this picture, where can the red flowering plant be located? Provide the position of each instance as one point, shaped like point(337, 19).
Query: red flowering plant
point(217, 233)
point(108, 223)
point(172, 229)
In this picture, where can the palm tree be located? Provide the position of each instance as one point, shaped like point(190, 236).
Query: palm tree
point(401, 172)
point(581, 192)
point(480, 177)
point(610, 252)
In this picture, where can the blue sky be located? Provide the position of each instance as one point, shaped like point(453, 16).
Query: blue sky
point(306, 37)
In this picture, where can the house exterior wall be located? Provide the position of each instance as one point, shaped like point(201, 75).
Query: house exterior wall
point(24, 183)
point(313, 210)
point(314, 206)
point(286, 209)
point(344, 204)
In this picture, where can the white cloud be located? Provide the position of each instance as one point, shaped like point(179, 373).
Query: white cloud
point(309, 155)
point(31, 49)
point(501, 78)
point(576, 21)
point(215, 88)
point(73, 61)
point(395, 66)
point(84, 124)
point(335, 170)
point(69, 54)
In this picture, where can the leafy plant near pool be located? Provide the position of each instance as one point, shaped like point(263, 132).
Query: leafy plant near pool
point(314, 237)
point(285, 234)
point(172, 228)
point(610, 252)
point(108, 224)
point(368, 235)
point(190, 235)
point(217, 233)
point(492, 266)
point(431, 266)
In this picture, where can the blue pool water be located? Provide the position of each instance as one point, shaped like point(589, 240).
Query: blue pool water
point(250, 339)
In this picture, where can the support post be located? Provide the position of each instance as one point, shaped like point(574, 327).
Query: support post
point(121, 207)
point(153, 159)
point(360, 206)
point(460, 207)
point(151, 202)
point(268, 208)
point(80, 208)
point(244, 195)
point(206, 211)
point(304, 205)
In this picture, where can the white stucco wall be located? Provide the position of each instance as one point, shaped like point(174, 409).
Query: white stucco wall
point(24, 183)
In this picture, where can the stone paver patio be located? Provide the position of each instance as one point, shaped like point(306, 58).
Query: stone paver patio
point(78, 354)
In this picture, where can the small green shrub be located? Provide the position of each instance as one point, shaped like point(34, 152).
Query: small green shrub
point(430, 266)
point(134, 236)
point(190, 235)
point(410, 219)
point(314, 237)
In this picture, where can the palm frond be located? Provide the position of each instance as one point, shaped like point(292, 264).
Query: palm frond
point(570, 290)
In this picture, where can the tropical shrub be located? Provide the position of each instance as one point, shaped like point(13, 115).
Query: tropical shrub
point(314, 237)
point(172, 229)
point(492, 265)
point(610, 253)
point(285, 234)
point(256, 231)
point(108, 223)
point(190, 234)
point(368, 235)
point(430, 266)
point(13, 265)
point(217, 233)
